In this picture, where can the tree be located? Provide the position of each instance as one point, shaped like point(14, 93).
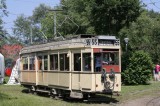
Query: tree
point(3, 12)
point(29, 29)
point(22, 29)
point(80, 12)
point(139, 69)
point(109, 16)
point(144, 34)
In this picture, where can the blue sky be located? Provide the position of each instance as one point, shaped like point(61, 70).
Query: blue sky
point(17, 7)
point(26, 7)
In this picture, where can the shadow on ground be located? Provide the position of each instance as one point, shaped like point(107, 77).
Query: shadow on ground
point(97, 99)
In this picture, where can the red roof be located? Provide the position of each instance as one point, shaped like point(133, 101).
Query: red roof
point(11, 51)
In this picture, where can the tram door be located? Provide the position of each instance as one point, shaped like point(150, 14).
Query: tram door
point(76, 69)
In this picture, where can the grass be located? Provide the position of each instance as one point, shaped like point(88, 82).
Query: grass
point(14, 95)
point(133, 92)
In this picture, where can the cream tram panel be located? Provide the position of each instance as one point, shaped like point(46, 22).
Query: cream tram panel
point(45, 78)
point(64, 79)
point(32, 76)
point(53, 78)
point(24, 76)
point(86, 81)
point(75, 81)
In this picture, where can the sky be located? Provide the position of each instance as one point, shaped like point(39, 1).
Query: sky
point(26, 7)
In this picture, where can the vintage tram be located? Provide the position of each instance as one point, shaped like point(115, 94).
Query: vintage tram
point(77, 67)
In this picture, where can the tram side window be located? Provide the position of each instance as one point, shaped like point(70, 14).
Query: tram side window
point(25, 63)
point(77, 62)
point(64, 62)
point(87, 61)
point(45, 62)
point(39, 62)
point(54, 62)
point(111, 58)
point(31, 63)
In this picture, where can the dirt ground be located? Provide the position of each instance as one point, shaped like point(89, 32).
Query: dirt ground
point(144, 101)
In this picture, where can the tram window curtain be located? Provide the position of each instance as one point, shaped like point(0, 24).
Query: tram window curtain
point(77, 62)
point(86, 61)
point(39, 62)
point(64, 62)
point(25, 63)
point(31, 63)
point(54, 62)
point(45, 62)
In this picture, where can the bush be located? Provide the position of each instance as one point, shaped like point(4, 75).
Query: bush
point(139, 69)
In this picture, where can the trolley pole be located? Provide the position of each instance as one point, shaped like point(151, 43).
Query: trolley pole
point(55, 19)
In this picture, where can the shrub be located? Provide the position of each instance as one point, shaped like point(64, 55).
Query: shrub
point(139, 69)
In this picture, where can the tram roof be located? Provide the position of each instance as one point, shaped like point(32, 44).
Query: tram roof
point(106, 37)
point(83, 40)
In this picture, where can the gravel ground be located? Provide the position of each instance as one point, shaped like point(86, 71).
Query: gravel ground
point(145, 101)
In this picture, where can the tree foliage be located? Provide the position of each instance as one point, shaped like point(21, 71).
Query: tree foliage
point(29, 29)
point(102, 16)
point(85, 17)
point(139, 69)
point(144, 34)
point(109, 16)
point(3, 12)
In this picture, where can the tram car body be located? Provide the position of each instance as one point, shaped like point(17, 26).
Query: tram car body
point(69, 67)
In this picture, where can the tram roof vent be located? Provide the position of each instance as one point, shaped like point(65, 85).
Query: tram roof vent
point(106, 37)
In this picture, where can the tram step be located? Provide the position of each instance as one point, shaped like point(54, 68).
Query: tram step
point(76, 95)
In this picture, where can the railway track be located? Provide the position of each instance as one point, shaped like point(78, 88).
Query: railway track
point(154, 102)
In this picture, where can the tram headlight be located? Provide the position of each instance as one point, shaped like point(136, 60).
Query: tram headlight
point(96, 85)
point(117, 85)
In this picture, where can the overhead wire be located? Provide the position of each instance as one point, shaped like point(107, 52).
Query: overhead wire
point(154, 3)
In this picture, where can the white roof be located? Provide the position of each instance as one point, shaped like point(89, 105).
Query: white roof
point(106, 37)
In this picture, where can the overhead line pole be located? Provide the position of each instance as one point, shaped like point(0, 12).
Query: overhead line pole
point(55, 20)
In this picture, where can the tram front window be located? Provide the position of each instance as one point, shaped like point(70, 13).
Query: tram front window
point(110, 58)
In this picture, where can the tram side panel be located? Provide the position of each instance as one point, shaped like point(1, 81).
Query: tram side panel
point(86, 81)
point(27, 76)
point(64, 80)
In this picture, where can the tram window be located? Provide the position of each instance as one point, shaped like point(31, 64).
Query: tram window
point(25, 63)
point(45, 62)
point(31, 63)
point(39, 62)
point(64, 62)
point(110, 58)
point(87, 61)
point(77, 62)
point(54, 62)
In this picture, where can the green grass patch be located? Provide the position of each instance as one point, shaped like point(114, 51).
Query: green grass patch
point(138, 91)
point(14, 95)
